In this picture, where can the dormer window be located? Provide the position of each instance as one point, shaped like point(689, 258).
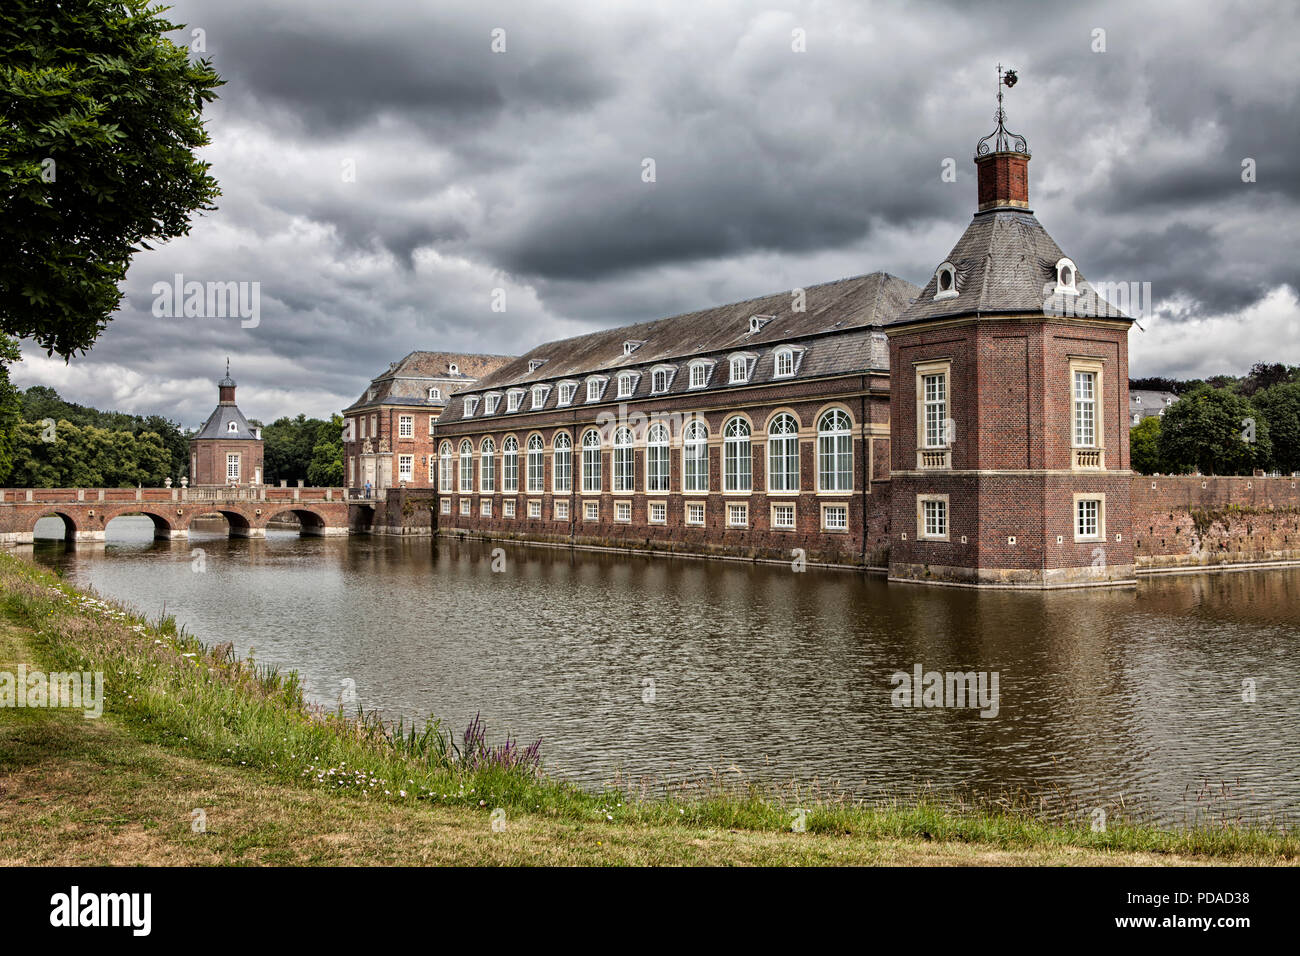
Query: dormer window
point(739, 370)
point(535, 364)
point(514, 399)
point(595, 388)
point(435, 394)
point(471, 406)
point(567, 390)
point(626, 385)
point(784, 363)
point(233, 427)
point(539, 395)
point(370, 394)
point(631, 345)
point(945, 282)
point(756, 322)
point(1066, 276)
point(491, 402)
point(660, 380)
point(700, 374)
point(453, 369)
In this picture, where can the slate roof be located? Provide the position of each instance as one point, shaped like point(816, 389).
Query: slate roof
point(218, 425)
point(407, 381)
point(1147, 402)
point(840, 331)
point(1006, 262)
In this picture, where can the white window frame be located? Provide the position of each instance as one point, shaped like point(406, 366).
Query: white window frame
point(738, 366)
point(661, 507)
point(783, 357)
point(514, 399)
point(561, 463)
point(834, 448)
point(560, 509)
point(623, 511)
point(406, 468)
point(508, 507)
point(535, 464)
point(540, 394)
point(510, 465)
point(1099, 518)
point(699, 374)
point(842, 510)
point(782, 509)
point(466, 467)
point(567, 390)
point(491, 402)
point(926, 517)
point(446, 480)
point(737, 467)
point(405, 426)
point(782, 440)
point(693, 507)
point(591, 464)
point(626, 385)
point(485, 508)
point(487, 471)
point(737, 514)
point(471, 406)
point(464, 507)
point(234, 462)
point(695, 466)
point(595, 388)
point(658, 458)
point(534, 508)
point(623, 463)
point(591, 511)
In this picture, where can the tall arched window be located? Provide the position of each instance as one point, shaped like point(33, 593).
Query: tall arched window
point(624, 461)
point(737, 458)
point(591, 461)
point(562, 463)
point(695, 457)
point(656, 457)
point(466, 467)
point(783, 454)
point(536, 466)
point(510, 465)
point(444, 468)
point(834, 451)
point(487, 473)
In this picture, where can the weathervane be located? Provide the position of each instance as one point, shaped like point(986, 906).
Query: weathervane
point(1002, 140)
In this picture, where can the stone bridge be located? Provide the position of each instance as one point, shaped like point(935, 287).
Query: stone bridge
point(86, 512)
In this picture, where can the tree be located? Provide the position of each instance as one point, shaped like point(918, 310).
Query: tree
point(1265, 375)
point(287, 448)
point(1280, 406)
point(326, 470)
point(1215, 430)
point(1144, 446)
point(10, 403)
point(100, 115)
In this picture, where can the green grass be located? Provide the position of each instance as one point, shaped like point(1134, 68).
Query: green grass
point(179, 714)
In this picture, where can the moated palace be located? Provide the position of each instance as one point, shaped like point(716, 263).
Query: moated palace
point(972, 431)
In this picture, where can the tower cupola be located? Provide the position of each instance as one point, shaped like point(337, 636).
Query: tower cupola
point(1002, 160)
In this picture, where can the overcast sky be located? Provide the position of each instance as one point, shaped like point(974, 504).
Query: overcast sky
point(384, 170)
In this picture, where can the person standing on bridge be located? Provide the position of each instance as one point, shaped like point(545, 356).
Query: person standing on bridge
point(367, 487)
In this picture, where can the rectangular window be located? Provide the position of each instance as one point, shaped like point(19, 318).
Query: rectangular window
point(352, 472)
point(485, 507)
point(738, 516)
point(562, 466)
point(464, 506)
point(835, 518)
point(433, 467)
point(405, 426)
point(783, 517)
point(374, 426)
point(658, 512)
point(591, 511)
point(433, 421)
point(232, 468)
point(444, 506)
point(694, 513)
point(934, 518)
point(561, 511)
point(405, 467)
point(1087, 519)
point(466, 469)
point(536, 466)
point(936, 409)
point(508, 508)
point(512, 401)
point(659, 381)
point(1085, 409)
point(534, 509)
point(566, 393)
point(739, 370)
point(593, 390)
point(699, 375)
point(626, 385)
point(539, 395)
point(623, 511)
point(695, 462)
point(590, 462)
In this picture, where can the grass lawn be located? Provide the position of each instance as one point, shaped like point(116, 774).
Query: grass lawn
point(281, 785)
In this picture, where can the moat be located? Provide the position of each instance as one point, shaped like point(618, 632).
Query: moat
point(670, 669)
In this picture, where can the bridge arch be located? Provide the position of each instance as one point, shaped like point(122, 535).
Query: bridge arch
point(70, 528)
point(312, 523)
point(164, 524)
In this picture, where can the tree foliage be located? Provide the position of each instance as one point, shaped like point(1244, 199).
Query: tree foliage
point(1216, 431)
point(1144, 446)
point(326, 469)
point(100, 115)
point(64, 455)
point(288, 447)
point(1280, 406)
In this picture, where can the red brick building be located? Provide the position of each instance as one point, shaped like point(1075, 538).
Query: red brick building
point(227, 450)
point(970, 432)
point(387, 431)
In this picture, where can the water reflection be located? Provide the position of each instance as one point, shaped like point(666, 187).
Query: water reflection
point(1128, 694)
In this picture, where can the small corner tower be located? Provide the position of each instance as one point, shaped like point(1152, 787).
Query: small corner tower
point(227, 450)
point(1008, 404)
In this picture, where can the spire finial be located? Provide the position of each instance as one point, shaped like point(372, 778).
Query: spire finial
point(228, 363)
point(1002, 140)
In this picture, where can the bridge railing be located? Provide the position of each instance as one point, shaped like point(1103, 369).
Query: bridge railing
point(200, 493)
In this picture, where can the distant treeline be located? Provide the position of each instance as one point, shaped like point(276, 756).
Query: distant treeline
point(1224, 425)
point(53, 443)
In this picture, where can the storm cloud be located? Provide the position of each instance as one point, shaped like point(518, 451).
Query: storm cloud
point(387, 166)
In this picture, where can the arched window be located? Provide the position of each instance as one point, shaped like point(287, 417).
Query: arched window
point(444, 468)
point(466, 467)
point(624, 461)
point(562, 463)
point(510, 465)
point(783, 454)
point(695, 457)
point(737, 458)
point(536, 467)
point(233, 427)
point(591, 460)
point(487, 474)
point(784, 363)
point(834, 452)
point(656, 457)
